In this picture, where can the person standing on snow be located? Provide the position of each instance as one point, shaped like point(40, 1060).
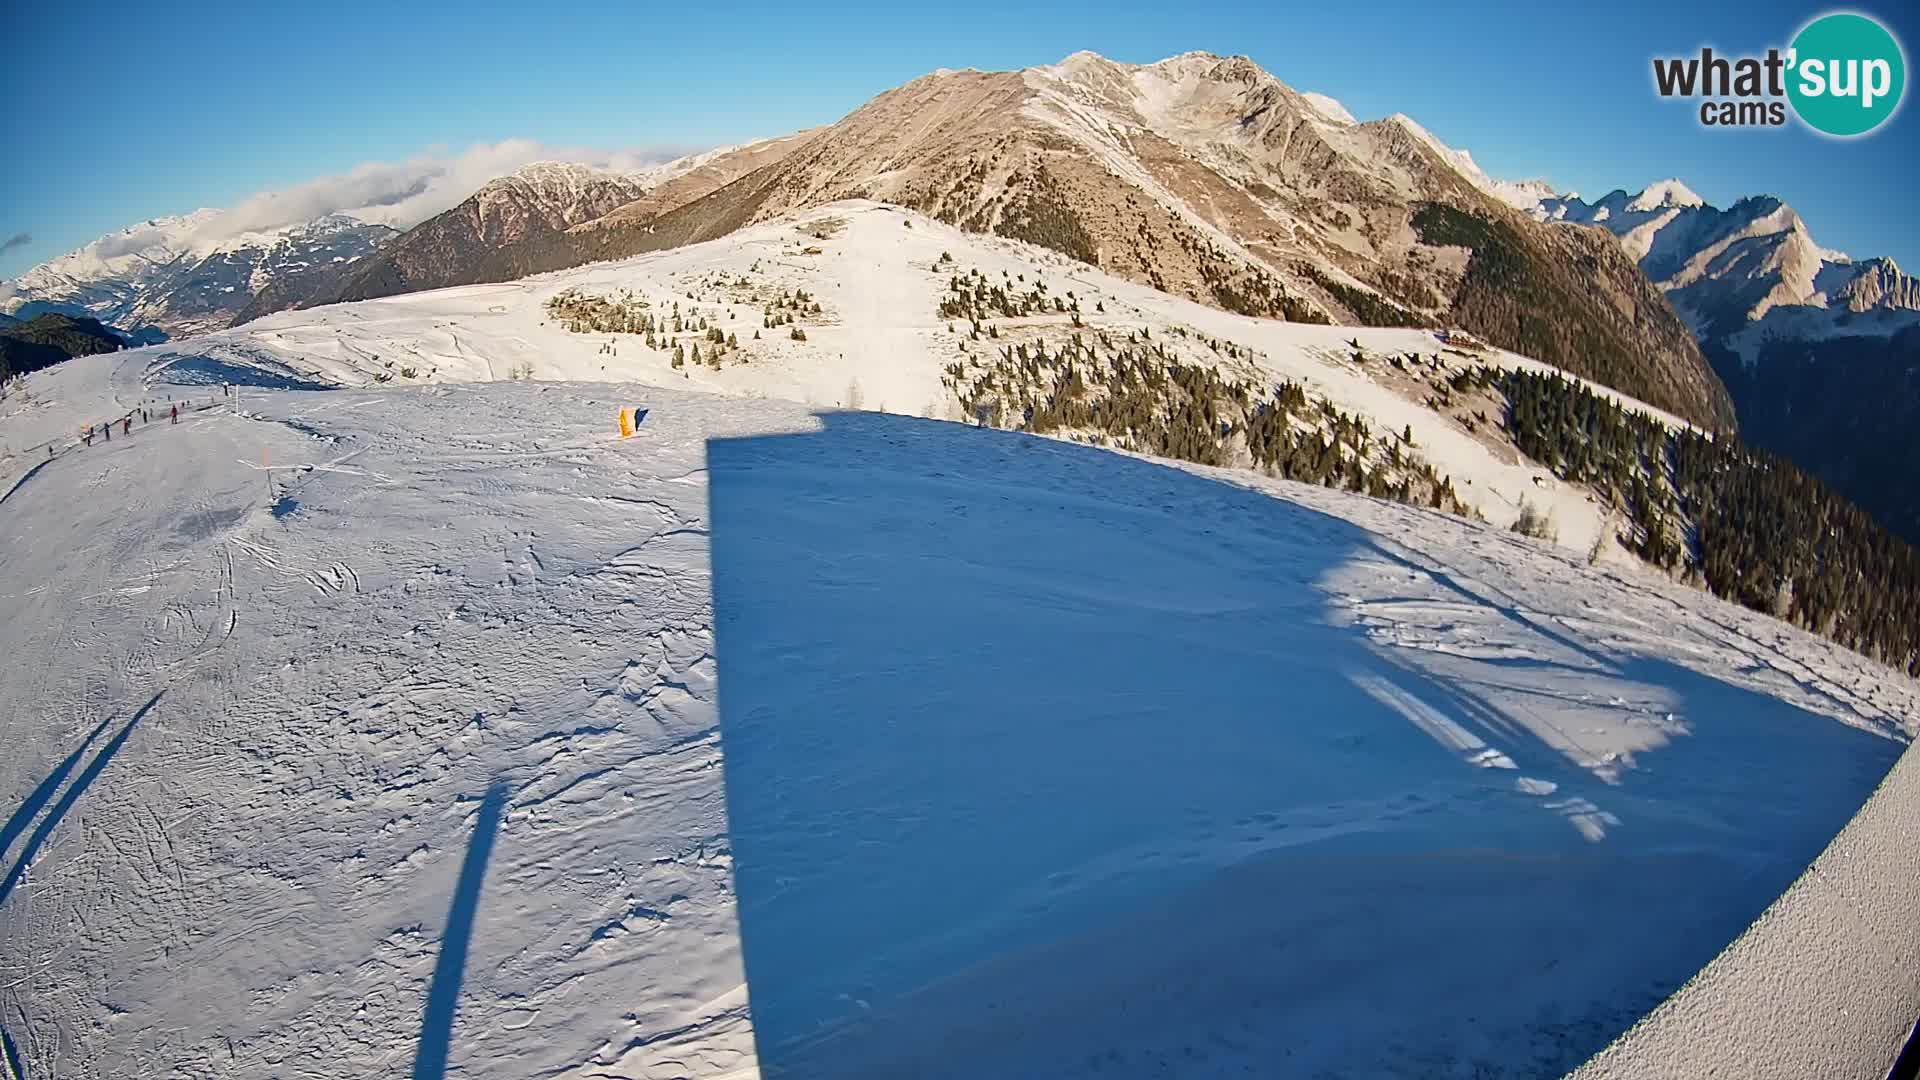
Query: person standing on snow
point(126, 425)
point(176, 414)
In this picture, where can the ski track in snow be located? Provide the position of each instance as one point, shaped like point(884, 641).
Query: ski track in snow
point(335, 692)
point(848, 744)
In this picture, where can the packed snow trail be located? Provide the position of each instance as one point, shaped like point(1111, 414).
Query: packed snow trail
point(351, 654)
point(1032, 759)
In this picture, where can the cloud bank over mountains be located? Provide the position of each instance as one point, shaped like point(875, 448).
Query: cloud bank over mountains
point(403, 194)
point(400, 194)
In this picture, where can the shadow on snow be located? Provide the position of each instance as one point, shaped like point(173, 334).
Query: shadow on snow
point(443, 994)
point(1047, 761)
point(24, 816)
point(24, 477)
point(264, 371)
point(12, 1054)
point(60, 809)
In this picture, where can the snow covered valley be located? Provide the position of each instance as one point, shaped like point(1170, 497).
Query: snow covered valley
point(436, 729)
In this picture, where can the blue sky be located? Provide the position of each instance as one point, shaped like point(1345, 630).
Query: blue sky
point(121, 112)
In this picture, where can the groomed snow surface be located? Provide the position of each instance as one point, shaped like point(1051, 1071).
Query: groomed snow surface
point(436, 730)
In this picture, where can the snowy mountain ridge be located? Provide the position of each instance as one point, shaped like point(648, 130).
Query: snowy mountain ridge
point(1818, 349)
point(1667, 193)
point(197, 272)
point(1749, 273)
point(570, 185)
point(103, 278)
point(1207, 178)
point(1519, 194)
point(176, 275)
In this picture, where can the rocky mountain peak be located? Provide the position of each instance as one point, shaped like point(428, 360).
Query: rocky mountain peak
point(559, 193)
point(1664, 194)
point(1880, 283)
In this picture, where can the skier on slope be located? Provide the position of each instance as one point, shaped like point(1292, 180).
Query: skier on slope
point(126, 425)
point(176, 414)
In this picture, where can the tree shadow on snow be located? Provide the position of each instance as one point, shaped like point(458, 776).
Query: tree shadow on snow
point(1047, 761)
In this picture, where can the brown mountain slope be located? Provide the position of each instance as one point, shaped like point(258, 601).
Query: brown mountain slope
point(507, 229)
point(717, 171)
point(1208, 178)
point(517, 225)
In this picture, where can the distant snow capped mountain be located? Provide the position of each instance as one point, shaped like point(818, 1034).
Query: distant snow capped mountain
point(209, 294)
point(1820, 352)
point(566, 192)
point(107, 278)
point(1666, 194)
point(189, 274)
point(1748, 274)
point(168, 274)
point(501, 232)
point(192, 273)
point(525, 223)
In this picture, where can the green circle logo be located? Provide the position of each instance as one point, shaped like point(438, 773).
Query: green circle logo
point(1848, 74)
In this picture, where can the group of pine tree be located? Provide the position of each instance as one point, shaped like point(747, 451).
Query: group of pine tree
point(1742, 523)
point(1142, 396)
point(1745, 524)
point(680, 335)
point(47, 339)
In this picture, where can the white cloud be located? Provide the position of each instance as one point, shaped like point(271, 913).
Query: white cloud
point(403, 194)
point(399, 194)
point(138, 238)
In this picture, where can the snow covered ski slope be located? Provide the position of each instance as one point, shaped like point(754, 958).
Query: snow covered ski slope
point(389, 731)
point(879, 274)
